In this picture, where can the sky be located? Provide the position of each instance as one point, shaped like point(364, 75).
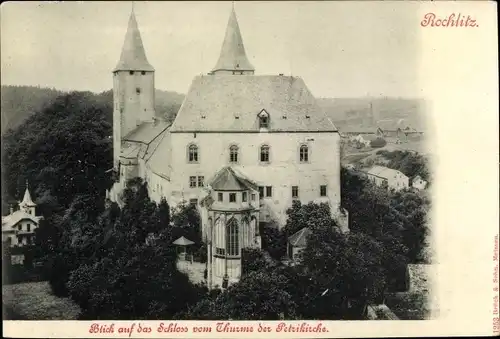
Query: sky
point(340, 49)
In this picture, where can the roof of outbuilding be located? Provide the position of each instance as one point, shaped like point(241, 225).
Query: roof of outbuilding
point(231, 103)
point(147, 131)
point(183, 241)
point(383, 172)
point(299, 239)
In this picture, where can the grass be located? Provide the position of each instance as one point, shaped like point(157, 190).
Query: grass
point(35, 301)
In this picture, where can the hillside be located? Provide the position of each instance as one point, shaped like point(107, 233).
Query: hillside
point(20, 102)
point(366, 112)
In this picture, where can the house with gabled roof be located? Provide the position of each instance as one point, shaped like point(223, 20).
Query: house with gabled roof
point(233, 124)
point(387, 177)
point(18, 228)
point(297, 242)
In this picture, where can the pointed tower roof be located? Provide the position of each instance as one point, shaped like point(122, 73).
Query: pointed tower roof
point(133, 57)
point(27, 198)
point(233, 56)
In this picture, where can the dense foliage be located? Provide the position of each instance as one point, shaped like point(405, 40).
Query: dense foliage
point(378, 143)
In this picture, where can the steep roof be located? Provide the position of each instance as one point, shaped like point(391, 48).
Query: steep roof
point(158, 154)
point(233, 55)
point(383, 172)
point(299, 239)
point(133, 57)
point(27, 199)
point(228, 180)
point(12, 219)
point(231, 103)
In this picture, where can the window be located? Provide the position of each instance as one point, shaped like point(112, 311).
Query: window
point(264, 122)
point(295, 192)
point(192, 181)
point(322, 190)
point(143, 73)
point(253, 196)
point(220, 197)
point(20, 227)
point(201, 181)
point(269, 191)
point(261, 191)
point(28, 227)
point(264, 153)
point(193, 202)
point(193, 153)
point(244, 197)
point(220, 251)
point(138, 90)
point(232, 245)
point(232, 197)
point(131, 72)
point(304, 153)
point(233, 153)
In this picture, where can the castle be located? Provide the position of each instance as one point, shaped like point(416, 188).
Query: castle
point(242, 147)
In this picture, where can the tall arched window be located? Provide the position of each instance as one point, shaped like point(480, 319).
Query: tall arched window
point(304, 153)
point(193, 153)
point(232, 238)
point(264, 153)
point(233, 153)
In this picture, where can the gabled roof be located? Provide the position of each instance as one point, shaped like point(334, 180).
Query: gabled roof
point(299, 239)
point(228, 103)
point(233, 55)
point(12, 219)
point(383, 172)
point(133, 56)
point(227, 180)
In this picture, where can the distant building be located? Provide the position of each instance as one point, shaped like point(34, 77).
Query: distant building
point(18, 228)
point(297, 242)
point(353, 131)
point(387, 177)
point(365, 139)
point(418, 183)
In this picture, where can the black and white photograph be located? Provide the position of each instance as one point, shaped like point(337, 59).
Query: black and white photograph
point(218, 161)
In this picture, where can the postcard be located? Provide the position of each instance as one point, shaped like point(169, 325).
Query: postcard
point(292, 169)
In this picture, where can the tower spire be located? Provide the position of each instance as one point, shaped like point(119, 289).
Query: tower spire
point(133, 56)
point(233, 56)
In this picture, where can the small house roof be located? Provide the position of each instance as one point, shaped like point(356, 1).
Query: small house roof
point(12, 219)
point(383, 172)
point(299, 239)
point(183, 241)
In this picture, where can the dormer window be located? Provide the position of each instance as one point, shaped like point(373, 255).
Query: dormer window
point(131, 72)
point(143, 73)
point(263, 119)
point(264, 122)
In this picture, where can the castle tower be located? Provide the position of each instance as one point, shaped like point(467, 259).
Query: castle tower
point(230, 216)
point(233, 58)
point(27, 205)
point(133, 88)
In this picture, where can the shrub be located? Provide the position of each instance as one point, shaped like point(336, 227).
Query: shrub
point(377, 143)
